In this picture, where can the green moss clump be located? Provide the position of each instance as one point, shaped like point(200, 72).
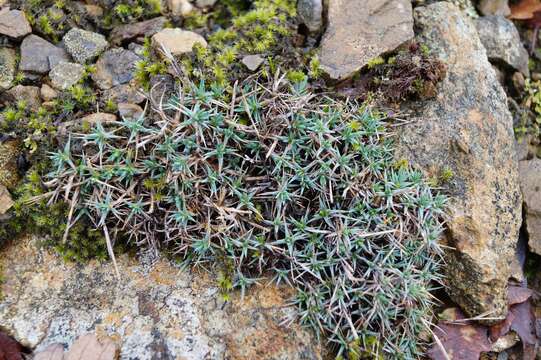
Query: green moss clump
point(32, 213)
point(265, 29)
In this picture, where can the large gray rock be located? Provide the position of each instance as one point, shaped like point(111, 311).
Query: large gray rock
point(39, 55)
point(530, 182)
point(66, 74)
point(502, 42)
point(358, 31)
point(153, 312)
point(8, 67)
point(13, 23)
point(468, 129)
point(115, 67)
point(127, 32)
point(310, 13)
point(84, 46)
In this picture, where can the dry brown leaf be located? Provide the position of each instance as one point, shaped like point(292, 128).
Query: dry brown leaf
point(52, 352)
point(525, 9)
point(88, 347)
point(460, 341)
point(518, 294)
point(524, 325)
point(9, 348)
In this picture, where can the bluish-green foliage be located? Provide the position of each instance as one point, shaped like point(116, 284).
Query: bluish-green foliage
point(273, 179)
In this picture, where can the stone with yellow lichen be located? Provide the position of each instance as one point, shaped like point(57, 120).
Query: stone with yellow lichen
point(9, 153)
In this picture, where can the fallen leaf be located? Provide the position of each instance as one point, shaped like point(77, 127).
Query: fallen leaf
point(502, 328)
point(458, 341)
point(52, 352)
point(518, 294)
point(525, 9)
point(9, 348)
point(524, 325)
point(88, 347)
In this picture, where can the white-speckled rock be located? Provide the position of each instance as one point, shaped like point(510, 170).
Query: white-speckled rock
point(153, 312)
point(66, 74)
point(83, 45)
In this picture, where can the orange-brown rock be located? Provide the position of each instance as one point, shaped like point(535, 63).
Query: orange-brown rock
point(468, 129)
point(358, 31)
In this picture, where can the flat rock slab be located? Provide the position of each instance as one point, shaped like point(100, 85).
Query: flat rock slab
point(468, 129)
point(39, 56)
point(177, 41)
point(127, 32)
point(530, 183)
point(153, 312)
point(14, 24)
point(359, 31)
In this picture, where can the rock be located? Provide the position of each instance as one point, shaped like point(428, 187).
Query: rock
point(66, 74)
point(84, 46)
point(129, 111)
point(48, 93)
point(74, 126)
point(494, 7)
point(94, 11)
point(128, 32)
point(502, 42)
point(8, 67)
point(468, 129)
point(310, 13)
point(177, 41)
point(359, 31)
point(6, 202)
point(13, 23)
point(39, 55)
point(30, 94)
point(530, 181)
point(10, 150)
point(154, 311)
point(180, 7)
point(203, 4)
point(505, 342)
point(99, 117)
point(519, 82)
point(115, 67)
point(125, 93)
point(252, 62)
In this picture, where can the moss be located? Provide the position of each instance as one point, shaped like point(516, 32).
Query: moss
point(266, 28)
point(10, 150)
point(446, 175)
point(375, 62)
point(30, 214)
